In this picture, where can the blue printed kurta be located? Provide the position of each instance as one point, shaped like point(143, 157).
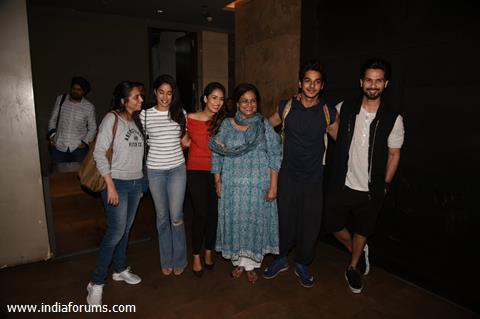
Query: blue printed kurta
point(247, 223)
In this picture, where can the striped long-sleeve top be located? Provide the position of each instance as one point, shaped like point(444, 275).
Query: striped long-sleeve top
point(77, 124)
point(164, 134)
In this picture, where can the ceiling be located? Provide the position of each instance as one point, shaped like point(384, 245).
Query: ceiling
point(187, 12)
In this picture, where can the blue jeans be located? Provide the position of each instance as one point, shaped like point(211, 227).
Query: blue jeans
point(168, 191)
point(119, 221)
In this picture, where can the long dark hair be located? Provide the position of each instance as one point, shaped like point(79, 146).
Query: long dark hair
point(175, 110)
point(122, 92)
point(221, 114)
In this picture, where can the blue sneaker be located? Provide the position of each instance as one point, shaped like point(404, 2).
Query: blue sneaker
point(304, 276)
point(278, 265)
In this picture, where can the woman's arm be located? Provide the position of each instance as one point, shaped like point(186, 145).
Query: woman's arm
point(218, 184)
point(185, 141)
point(103, 142)
point(272, 191)
point(112, 194)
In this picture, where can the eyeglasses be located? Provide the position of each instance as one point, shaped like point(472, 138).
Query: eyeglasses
point(252, 101)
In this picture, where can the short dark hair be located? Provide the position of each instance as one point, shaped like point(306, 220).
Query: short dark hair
point(312, 65)
point(376, 63)
point(243, 88)
point(82, 82)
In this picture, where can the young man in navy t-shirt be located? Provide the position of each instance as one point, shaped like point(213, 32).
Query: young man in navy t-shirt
point(305, 120)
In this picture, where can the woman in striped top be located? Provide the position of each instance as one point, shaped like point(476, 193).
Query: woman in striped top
point(164, 125)
point(200, 182)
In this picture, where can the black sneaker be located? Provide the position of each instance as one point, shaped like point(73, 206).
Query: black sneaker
point(363, 265)
point(354, 280)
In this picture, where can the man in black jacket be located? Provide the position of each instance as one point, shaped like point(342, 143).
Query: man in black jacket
point(366, 156)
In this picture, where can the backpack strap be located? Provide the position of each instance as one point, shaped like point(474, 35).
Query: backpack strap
point(286, 110)
point(326, 113)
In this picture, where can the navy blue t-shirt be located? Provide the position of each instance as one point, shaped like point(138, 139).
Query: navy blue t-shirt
point(304, 147)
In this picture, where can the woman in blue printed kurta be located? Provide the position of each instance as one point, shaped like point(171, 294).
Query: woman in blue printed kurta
point(245, 160)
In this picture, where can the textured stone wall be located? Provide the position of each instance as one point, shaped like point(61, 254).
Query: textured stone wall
point(213, 59)
point(267, 48)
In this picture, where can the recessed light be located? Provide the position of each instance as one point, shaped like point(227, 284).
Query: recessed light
point(159, 11)
point(231, 6)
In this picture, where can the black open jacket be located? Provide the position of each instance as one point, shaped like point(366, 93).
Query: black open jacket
point(380, 129)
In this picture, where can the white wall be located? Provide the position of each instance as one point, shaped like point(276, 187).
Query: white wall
point(23, 229)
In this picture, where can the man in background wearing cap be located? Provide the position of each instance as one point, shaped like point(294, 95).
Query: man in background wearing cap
point(72, 125)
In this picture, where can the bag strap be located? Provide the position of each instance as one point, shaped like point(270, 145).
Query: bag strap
point(114, 128)
point(286, 110)
point(64, 96)
point(145, 136)
point(145, 126)
point(326, 113)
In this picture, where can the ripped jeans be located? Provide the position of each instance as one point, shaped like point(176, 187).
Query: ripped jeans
point(168, 191)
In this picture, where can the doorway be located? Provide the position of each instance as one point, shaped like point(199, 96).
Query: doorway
point(174, 53)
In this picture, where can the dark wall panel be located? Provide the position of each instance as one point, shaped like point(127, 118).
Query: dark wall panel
point(427, 230)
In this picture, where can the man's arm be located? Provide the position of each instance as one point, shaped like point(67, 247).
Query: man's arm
point(332, 129)
point(392, 164)
point(395, 142)
point(275, 119)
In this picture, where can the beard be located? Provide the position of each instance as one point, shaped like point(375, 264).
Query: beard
point(372, 94)
point(76, 96)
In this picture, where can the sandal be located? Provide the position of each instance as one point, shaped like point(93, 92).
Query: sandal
point(166, 271)
point(252, 276)
point(237, 272)
point(178, 271)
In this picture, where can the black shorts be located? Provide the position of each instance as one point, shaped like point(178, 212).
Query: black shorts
point(355, 208)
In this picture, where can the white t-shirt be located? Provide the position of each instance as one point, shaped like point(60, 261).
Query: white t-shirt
point(357, 174)
point(165, 150)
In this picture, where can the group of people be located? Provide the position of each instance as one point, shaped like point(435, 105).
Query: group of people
point(254, 192)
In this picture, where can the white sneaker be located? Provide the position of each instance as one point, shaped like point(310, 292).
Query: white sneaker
point(95, 293)
point(127, 276)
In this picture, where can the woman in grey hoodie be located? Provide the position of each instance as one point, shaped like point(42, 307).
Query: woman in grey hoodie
point(124, 185)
